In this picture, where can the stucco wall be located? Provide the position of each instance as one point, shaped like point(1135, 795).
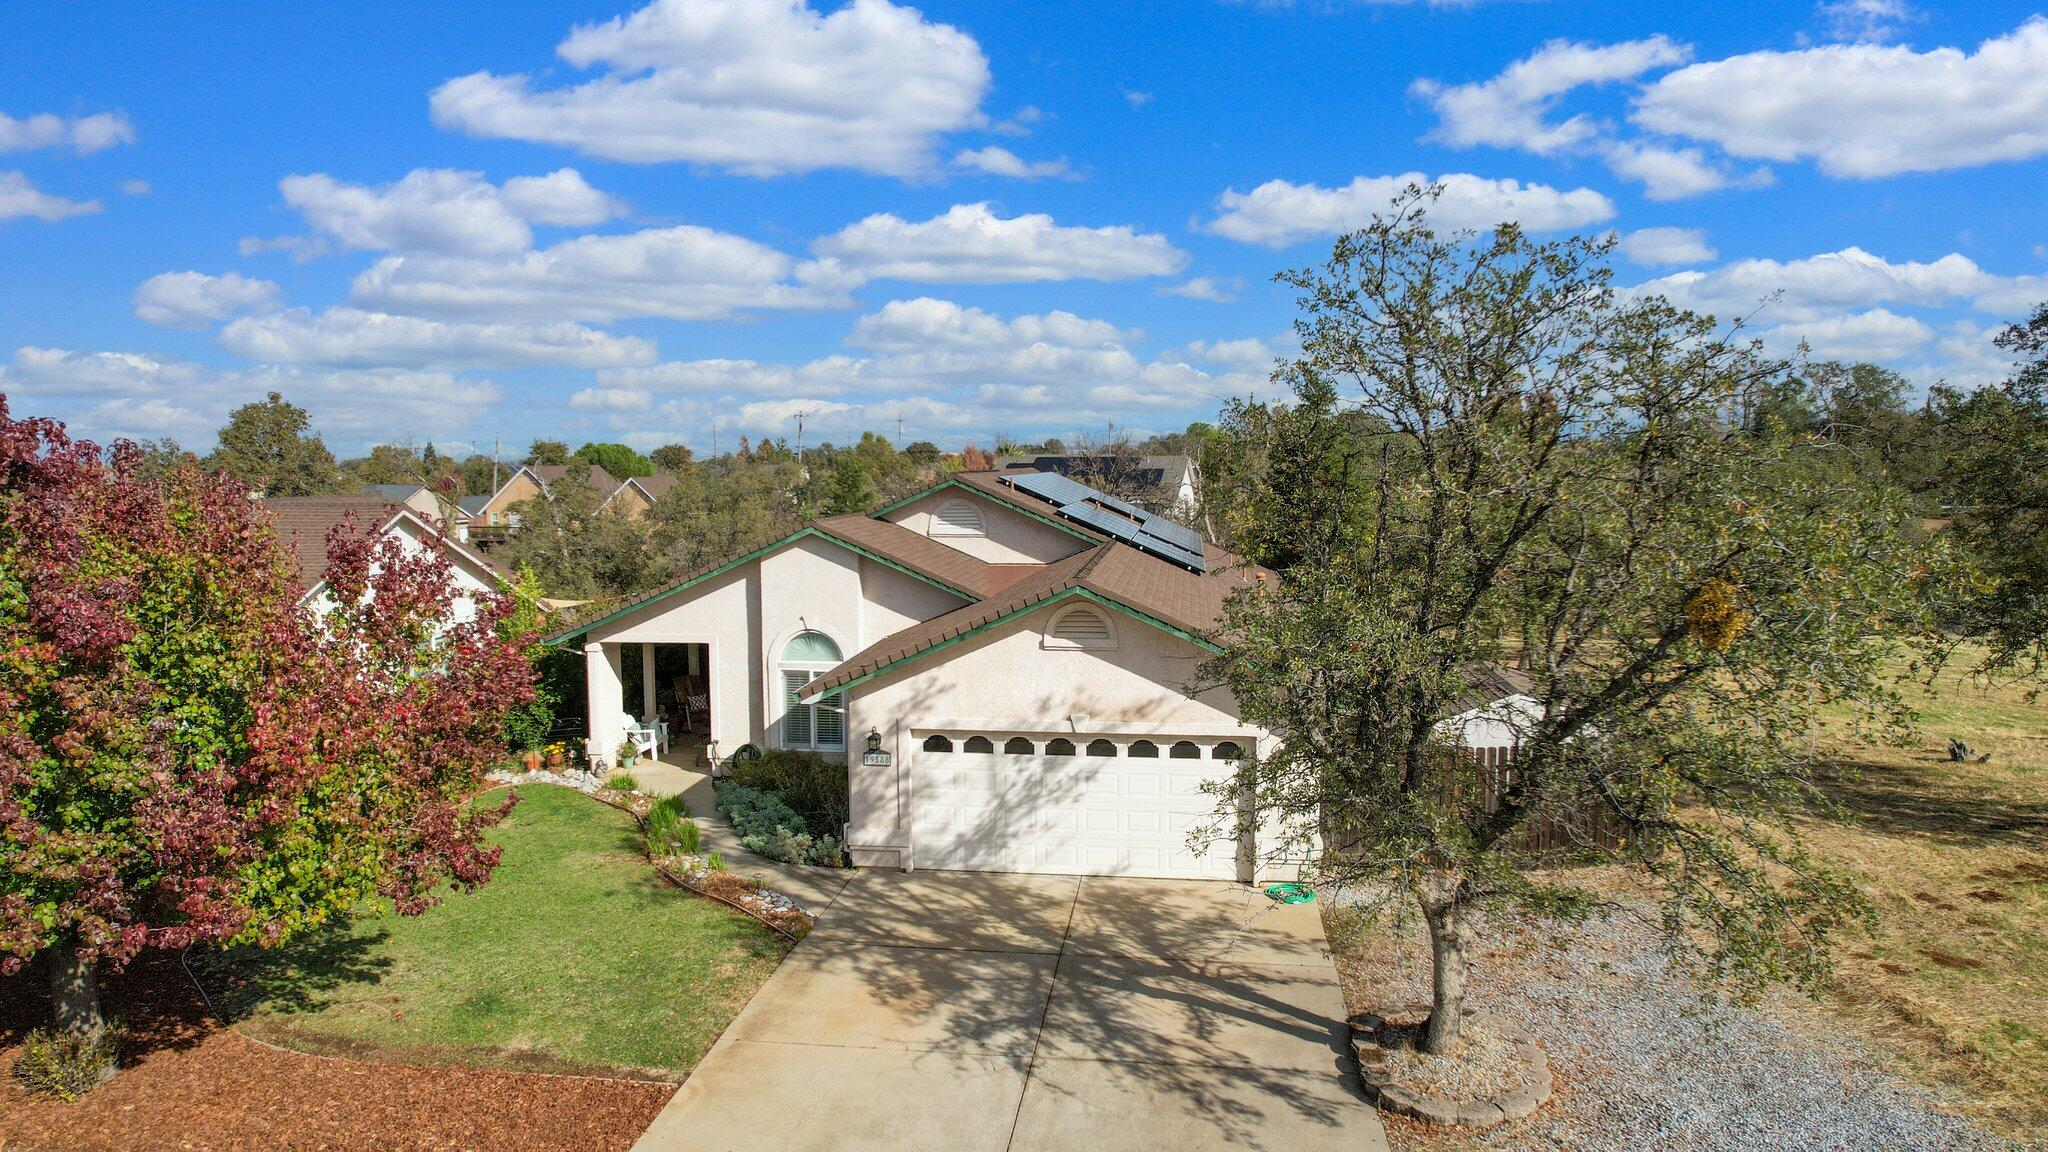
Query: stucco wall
point(1006, 681)
point(520, 487)
point(1012, 537)
point(469, 579)
point(747, 615)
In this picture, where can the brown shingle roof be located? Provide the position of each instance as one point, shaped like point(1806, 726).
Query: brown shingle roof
point(655, 485)
point(948, 566)
point(1486, 683)
point(303, 522)
point(1117, 572)
point(600, 479)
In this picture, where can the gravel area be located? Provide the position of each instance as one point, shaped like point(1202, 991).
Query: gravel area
point(1643, 1061)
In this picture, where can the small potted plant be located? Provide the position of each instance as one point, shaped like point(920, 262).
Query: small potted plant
point(530, 757)
point(558, 755)
point(629, 755)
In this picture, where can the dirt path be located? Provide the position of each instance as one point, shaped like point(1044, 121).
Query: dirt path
point(192, 1085)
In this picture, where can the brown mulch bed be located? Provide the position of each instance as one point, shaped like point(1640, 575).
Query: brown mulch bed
point(189, 1083)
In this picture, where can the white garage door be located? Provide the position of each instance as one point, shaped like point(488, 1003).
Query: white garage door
point(1115, 806)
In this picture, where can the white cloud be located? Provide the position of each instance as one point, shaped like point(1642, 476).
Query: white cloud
point(680, 273)
point(64, 372)
point(1656, 246)
point(1825, 286)
point(970, 244)
point(1003, 162)
point(19, 197)
point(942, 365)
point(1214, 289)
point(1137, 99)
point(561, 197)
point(194, 299)
point(1278, 213)
point(1511, 109)
point(139, 395)
point(1668, 173)
point(135, 187)
point(755, 86)
point(81, 134)
point(611, 400)
point(1871, 21)
point(1876, 335)
point(443, 210)
point(349, 337)
point(1865, 110)
point(300, 248)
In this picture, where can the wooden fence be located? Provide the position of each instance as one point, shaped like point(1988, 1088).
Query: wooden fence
point(1543, 831)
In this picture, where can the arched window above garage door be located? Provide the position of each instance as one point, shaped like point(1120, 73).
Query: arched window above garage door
point(1101, 748)
point(1059, 746)
point(1145, 748)
point(1228, 750)
point(1185, 750)
point(1082, 626)
point(1017, 746)
point(978, 745)
point(937, 744)
point(958, 518)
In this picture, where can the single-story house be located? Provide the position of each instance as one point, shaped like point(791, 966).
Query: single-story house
point(1008, 662)
point(304, 523)
point(636, 494)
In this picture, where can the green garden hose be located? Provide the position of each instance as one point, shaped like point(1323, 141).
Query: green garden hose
point(1290, 892)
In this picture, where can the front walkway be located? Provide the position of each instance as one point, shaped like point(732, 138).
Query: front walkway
point(959, 1012)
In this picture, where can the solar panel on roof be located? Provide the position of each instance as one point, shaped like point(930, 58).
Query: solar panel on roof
point(1118, 519)
point(1057, 489)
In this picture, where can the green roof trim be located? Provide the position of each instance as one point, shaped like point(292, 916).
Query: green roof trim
point(1087, 594)
point(951, 482)
point(772, 546)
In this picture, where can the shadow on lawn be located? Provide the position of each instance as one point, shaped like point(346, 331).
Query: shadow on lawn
point(293, 980)
point(1916, 799)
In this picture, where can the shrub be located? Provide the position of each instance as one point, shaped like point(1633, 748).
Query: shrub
point(66, 1065)
point(715, 862)
point(771, 828)
point(621, 782)
point(812, 785)
point(670, 831)
point(527, 727)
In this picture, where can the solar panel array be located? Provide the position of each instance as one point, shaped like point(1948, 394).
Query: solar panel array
point(1117, 519)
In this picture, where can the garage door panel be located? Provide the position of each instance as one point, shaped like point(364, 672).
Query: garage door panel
point(1085, 815)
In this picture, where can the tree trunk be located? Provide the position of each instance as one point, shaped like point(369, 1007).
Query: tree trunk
point(75, 991)
point(1448, 938)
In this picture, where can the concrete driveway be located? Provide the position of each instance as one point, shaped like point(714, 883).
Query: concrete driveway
point(960, 1012)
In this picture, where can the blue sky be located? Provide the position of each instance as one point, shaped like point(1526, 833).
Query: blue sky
point(595, 221)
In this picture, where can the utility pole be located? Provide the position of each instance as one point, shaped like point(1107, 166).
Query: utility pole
point(800, 418)
point(714, 438)
point(899, 433)
point(494, 465)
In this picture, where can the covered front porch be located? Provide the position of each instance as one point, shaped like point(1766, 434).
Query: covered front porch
point(660, 688)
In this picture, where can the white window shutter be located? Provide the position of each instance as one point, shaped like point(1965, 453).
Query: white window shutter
point(796, 718)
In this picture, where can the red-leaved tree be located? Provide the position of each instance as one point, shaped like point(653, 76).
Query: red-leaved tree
point(187, 753)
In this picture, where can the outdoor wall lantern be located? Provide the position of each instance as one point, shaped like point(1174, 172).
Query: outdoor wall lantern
point(874, 757)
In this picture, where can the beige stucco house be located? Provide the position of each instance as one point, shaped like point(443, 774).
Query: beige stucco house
point(1010, 677)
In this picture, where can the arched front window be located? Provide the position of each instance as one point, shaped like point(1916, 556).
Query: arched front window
point(823, 724)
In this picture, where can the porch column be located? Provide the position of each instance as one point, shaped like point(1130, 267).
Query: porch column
point(646, 683)
point(606, 687)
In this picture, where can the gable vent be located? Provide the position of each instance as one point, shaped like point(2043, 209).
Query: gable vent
point(957, 518)
point(1081, 628)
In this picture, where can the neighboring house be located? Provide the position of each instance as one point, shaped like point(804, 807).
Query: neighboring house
point(416, 498)
point(529, 481)
point(304, 523)
point(1169, 484)
point(637, 494)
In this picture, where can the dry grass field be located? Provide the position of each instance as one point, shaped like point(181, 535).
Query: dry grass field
point(1952, 981)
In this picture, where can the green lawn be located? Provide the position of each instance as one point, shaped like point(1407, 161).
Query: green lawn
point(574, 957)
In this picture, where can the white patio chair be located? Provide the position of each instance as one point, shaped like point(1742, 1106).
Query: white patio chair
point(645, 737)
